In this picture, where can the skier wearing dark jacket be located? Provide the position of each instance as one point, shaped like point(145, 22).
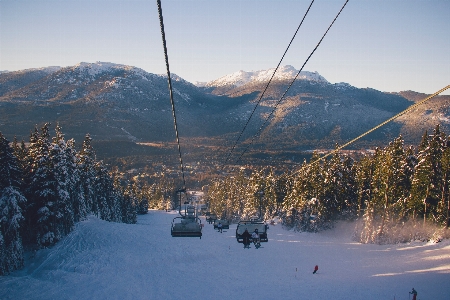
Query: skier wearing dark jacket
point(414, 293)
point(246, 238)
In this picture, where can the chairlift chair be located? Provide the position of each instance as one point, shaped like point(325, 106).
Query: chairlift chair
point(187, 225)
point(251, 225)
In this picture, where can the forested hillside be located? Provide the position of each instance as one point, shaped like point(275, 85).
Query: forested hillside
point(123, 104)
point(46, 187)
point(396, 194)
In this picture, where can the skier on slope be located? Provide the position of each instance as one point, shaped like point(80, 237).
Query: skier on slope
point(316, 268)
point(246, 238)
point(414, 293)
point(255, 238)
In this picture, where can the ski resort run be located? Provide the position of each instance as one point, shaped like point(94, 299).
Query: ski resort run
point(107, 260)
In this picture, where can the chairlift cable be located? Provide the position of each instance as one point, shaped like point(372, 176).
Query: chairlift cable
point(292, 82)
point(161, 22)
point(189, 224)
point(376, 127)
point(267, 85)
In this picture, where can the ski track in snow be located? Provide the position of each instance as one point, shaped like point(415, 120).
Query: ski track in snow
point(102, 260)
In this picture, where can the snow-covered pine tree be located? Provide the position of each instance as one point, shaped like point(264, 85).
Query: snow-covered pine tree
point(21, 153)
point(270, 194)
point(438, 143)
point(11, 173)
point(216, 196)
point(444, 203)
point(241, 187)
point(295, 197)
point(410, 163)
point(370, 173)
point(425, 189)
point(363, 176)
point(257, 193)
point(126, 201)
point(75, 186)
point(332, 201)
point(12, 202)
point(63, 168)
point(43, 198)
point(315, 204)
point(391, 189)
point(105, 191)
point(141, 198)
point(26, 156)
point(400, 185)
point(24, 161)
point(86, 164)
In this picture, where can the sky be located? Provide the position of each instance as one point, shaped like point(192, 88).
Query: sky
point(388, 45)
point(106, 260)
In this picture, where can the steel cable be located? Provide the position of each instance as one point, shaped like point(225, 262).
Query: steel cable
point(268, 83)
point(290, 85)
point(161, 22)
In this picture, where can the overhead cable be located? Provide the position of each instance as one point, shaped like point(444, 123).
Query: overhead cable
point(290, 85)
point(268, 83)
point(161, 22)
point(378, 126)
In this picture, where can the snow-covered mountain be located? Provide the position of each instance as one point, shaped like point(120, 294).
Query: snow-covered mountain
point(118, 102)
point(47, 70)
point(283, 73)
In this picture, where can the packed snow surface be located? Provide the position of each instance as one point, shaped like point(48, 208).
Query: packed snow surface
point(102, 260)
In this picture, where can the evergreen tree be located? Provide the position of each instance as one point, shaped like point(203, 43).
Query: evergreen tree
point(339, 189)
point(27, 157)
point(142, 201)
point(425, 189)
point(105, 191)
point(295, 197)
point(444, 203)
point(364, 173)
point(374, 204)
point(11, 203)
point(86, 164)
point(63, 168)
point(126, 201)
point(349, 188)
point(42, 211)
point(75, 185)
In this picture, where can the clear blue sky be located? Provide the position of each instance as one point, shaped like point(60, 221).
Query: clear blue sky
point(389, 45)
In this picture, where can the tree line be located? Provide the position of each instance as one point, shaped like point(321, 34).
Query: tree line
point(396, 194)
point(46, 187)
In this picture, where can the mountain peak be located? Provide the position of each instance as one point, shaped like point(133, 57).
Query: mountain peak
point(283, 73)
point(99, 67)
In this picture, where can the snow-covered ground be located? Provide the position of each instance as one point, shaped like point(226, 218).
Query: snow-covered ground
point(101, 260)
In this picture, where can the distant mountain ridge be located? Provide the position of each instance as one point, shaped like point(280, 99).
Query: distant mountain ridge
point(288, 72)
point(115, 102)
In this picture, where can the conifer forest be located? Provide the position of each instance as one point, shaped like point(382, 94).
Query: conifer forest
point(46, 187)
point(396, 194)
